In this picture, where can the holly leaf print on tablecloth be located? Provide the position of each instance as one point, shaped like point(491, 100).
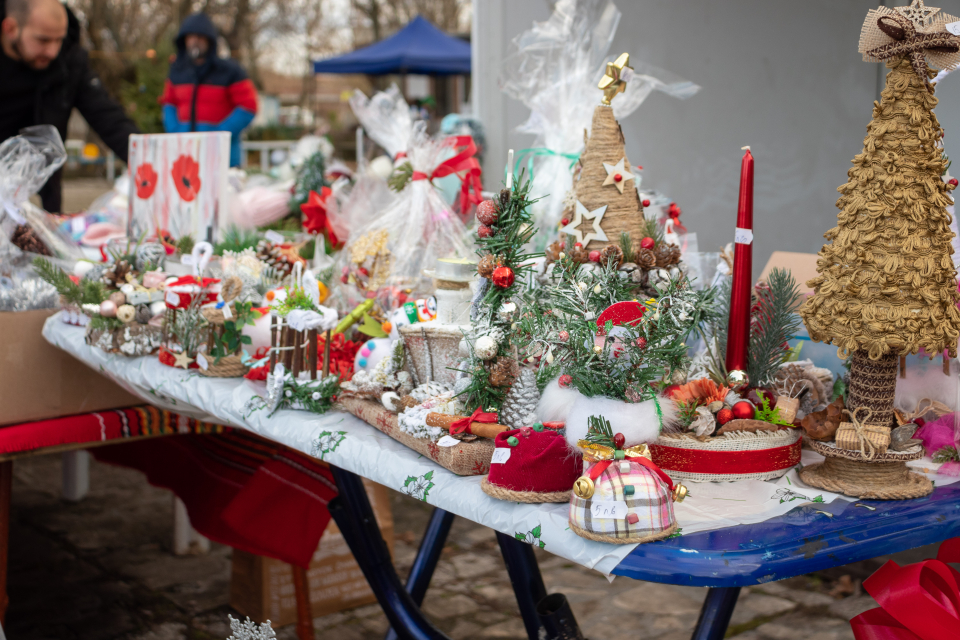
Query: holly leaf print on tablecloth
point(327, 442)
point(418, 486)
point(531, 537)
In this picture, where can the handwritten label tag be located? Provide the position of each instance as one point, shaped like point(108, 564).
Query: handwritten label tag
point(227, 314)
point(609, 509)
point(188, 259)
point(954, 28)
point(743, 236)
point(500, 455)
point(447, 441)
point(202, 361)
point(172, 298)
point(274, 237)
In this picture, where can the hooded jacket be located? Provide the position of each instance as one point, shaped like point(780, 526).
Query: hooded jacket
point(29, 97)
point(214, 96)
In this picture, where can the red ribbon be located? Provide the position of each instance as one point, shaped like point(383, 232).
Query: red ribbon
point(602, 466)
point(917, 602)
point(463, 424)
point(315, 219)
point(465, 166)
point(722, 462)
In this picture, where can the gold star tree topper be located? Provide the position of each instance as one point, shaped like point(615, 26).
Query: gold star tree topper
point(614, 81)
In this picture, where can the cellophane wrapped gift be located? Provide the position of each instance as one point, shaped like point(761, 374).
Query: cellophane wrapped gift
point(386, 257)
point(26, 163)
point(554, 68)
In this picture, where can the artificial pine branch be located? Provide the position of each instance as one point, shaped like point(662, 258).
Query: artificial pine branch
point(774, 322)
point(626, 245)
point(87, 292)
point(600, 432)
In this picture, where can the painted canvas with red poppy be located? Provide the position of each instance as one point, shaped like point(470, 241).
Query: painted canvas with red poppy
point(178, 185)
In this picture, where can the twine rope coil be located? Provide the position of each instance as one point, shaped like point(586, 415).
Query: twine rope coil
point(529, 497)
point(921, 409)
point(867, 449)
point(874, 481)
point(609, 538)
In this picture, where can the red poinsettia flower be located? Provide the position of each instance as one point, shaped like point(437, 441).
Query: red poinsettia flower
point(146, 179)
point(315, 218)
point(186, 177)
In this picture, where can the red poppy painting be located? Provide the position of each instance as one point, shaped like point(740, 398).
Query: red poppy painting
point(146, 179)
point(186, 177)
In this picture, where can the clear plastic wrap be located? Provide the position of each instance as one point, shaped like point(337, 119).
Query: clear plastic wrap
point(554, 68)
point(385, 117)
point(26, 163)
point(386, 257)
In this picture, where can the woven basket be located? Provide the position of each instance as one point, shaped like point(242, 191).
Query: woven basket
point(131, 340)
point(763, 455)
point(228, 367)
point(885, 476)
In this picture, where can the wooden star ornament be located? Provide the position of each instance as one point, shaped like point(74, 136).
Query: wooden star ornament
point(182, 360)
point(617, 174)
point(614, 81)
point(580, 216)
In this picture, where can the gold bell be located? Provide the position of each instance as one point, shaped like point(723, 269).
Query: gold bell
point(583, 488)
point(679, 492)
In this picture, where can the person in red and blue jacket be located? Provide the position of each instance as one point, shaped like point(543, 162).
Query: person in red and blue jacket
point(205, 92)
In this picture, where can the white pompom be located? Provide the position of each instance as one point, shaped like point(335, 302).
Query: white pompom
point(390, 401)
point(638, 422)
point(556, 402)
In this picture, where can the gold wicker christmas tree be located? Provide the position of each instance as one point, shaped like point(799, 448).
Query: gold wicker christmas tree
point(887, 285)
point(607, 202)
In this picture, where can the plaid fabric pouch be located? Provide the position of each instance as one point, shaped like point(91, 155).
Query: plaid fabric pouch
point(645, 511)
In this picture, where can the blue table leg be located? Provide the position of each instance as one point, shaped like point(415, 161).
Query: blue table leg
point(715, 614)
point(427, 556)
point(352, 512)
point(526, 579)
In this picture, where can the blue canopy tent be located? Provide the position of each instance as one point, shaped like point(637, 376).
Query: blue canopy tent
point(418, 48)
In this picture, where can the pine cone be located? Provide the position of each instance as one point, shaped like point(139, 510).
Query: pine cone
point(646, 259)
point(611, 252)
point(26, 239)
point(503, 372)
point(116, 276)
point(554, 250)
point(520, 405)
point(579, 254)
point(486, 266)
point(667, 254)
point(505, 195)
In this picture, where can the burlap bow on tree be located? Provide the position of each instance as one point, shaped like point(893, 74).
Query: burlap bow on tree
point(888, 34)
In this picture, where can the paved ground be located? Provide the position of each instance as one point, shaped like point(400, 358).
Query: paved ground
point(102, 569)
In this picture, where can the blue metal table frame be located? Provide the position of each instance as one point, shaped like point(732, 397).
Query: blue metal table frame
point(810, 538)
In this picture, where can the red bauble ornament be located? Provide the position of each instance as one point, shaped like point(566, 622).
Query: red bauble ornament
point(565, 381)
point(503, 277)
point(743, 410)
point(617, 177)
point(647, 243)
point(953, 181)
point(724, 416)
point(484, 231)
point(641, 342)
point(564, 336)
point(618, 440)
point(344, 278)
point(565, 221)
point(594, 256)
point(646, 203)
point(578, 245)
point(487, 212)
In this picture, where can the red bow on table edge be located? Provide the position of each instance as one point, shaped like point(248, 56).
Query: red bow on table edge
point(465, 166)
point(315, 218)
point(463, 424)
point(920, 601)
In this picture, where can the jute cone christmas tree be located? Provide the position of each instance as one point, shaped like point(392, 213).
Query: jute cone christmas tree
point(606, 192)
point(887, 285)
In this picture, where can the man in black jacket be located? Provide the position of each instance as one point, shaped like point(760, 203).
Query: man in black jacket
point(45, 73)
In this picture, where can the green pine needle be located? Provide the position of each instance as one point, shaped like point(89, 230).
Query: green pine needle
point(599, 431)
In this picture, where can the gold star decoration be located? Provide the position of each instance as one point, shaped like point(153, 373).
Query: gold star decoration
point(917, 13)
point(580, 216)
point(613, 81)
point(617, 174)
point(182, 360)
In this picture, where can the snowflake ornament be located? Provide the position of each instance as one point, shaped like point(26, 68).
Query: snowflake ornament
point(250, 630)
point(918, 14)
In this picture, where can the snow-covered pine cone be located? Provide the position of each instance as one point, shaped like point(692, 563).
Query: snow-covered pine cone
point(611, 252)
point(646, 259)
point(667, 254)
point(486, 266)
point(554, 250)
point(503, 372)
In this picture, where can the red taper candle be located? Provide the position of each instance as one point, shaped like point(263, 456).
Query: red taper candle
point(738, 328)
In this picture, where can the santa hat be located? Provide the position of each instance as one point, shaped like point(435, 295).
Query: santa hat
point(532, 464)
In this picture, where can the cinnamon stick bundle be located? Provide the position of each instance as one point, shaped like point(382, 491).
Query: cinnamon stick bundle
point(482, 429)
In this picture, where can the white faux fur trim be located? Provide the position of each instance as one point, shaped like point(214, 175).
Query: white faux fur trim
point(555, 402)
point(638, 422)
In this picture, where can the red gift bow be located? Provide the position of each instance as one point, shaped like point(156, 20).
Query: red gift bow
point(920, 601)
point(602, 466)
point(315, 215)
point(463, 424)
point(465, 166)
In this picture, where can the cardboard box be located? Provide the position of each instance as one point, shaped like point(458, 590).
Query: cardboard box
point(262, 588)
point(39, 381)
point(802, 265)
